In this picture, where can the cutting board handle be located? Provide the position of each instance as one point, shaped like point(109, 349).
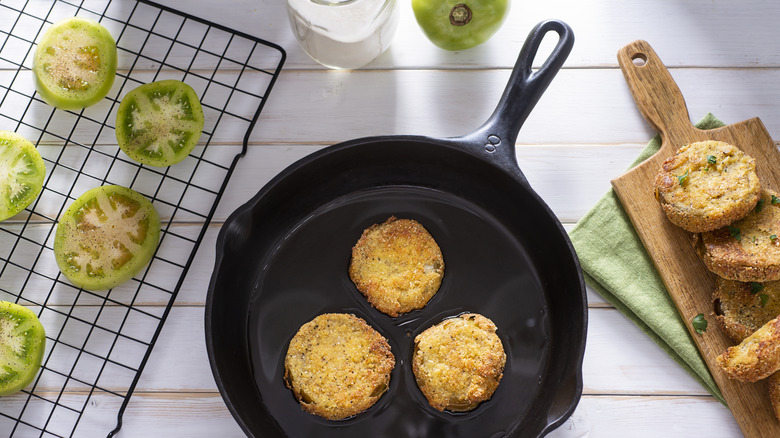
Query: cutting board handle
point(655, 92)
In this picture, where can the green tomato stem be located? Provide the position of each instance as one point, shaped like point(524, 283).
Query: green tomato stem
point(460, 15)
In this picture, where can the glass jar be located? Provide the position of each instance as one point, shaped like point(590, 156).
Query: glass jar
point(343, 34)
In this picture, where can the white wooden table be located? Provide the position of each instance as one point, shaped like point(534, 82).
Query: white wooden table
point(724, 55)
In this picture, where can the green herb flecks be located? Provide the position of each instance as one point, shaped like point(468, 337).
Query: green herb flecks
point(711, 159)
point(764, 298)
point(699, 323)
point(775, 200)
point(759, 205)
point(682, 178)
point(756, 287)
point(773, 238)
point(735, 232)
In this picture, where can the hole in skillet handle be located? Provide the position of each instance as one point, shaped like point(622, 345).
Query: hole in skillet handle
point(496, 138)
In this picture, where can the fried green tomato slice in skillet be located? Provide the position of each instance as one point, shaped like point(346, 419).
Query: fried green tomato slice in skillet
point(22, 343)
point(338, 366)
point(105, 237)
point(159, 123)
point(459, 362)
point(397, 265)
point(21, 174)
point(74, 65)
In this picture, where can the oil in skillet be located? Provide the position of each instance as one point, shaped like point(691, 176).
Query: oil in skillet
point(488, 271)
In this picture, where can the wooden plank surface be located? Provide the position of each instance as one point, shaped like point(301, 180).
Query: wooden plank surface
point(582, 106)
point(699, 33)
point(689, 283)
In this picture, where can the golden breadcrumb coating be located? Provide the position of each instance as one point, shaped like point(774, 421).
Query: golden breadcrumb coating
point(337, 366)
point(749, 249)
point(707, 185)
point(742, 308)
point(755, 358)
point(459, 362)
point(397, 265)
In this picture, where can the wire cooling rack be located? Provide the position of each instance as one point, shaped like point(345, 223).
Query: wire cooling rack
point(98, 342)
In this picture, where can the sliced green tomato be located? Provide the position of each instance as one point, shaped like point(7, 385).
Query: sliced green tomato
point(105, 237)
point(21, 173)
point(459, 24)
point(159, 123)
point(22, 342)
point(75, 63)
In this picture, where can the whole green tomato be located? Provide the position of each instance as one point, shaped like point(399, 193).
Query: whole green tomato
point(459, 24)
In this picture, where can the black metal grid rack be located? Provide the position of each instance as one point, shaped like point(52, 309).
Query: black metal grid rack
point(98, 342)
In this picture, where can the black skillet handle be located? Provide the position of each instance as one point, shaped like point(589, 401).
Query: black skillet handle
point(498, 135)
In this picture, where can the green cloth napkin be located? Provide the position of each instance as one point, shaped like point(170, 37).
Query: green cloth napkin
point(617, 266)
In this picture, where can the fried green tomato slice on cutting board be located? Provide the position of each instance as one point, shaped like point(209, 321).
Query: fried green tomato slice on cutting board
point(74, 65)
point(756, 357)
point(743, 308)
point(105, 237)
point(707, 185)
point(159, 123)
point(22, 343)
point(747, 250)
point(21, 174)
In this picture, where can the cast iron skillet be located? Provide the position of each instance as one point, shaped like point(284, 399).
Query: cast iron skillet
point(282, 259)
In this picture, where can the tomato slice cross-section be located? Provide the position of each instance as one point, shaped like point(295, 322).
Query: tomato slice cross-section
point(21, 173)
point(22, 343)
point(106, 237)
point(159, 123)
point(74, 65)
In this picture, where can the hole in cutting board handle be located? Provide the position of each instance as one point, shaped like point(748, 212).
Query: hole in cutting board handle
point(639, 59)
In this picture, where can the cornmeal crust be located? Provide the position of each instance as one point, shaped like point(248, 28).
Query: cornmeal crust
point(749, 249)
point(397, 265)
point(337, 366)
point(459, 362)
point(707, 185)
point(755, 358)
point(742, 308)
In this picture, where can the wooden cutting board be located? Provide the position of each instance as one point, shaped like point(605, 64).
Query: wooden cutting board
point(688, 281)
